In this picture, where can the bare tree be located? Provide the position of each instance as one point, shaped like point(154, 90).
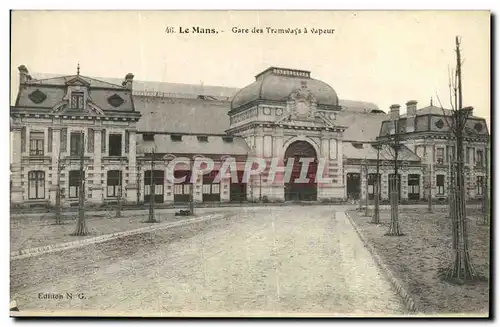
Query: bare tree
point(486, 199)
point(461, 270)
point(58, 189)
point(392, 148)
point(376, 207)
point(81, 227)
point(120, 190)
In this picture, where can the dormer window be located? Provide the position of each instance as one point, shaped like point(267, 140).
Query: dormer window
point(77, 100)
point(357, 145)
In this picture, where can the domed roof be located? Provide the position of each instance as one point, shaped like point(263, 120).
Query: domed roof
point(276, 84)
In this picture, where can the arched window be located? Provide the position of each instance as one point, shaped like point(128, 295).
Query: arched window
point(36, 185)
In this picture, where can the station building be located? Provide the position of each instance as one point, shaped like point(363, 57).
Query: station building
point(131, 131)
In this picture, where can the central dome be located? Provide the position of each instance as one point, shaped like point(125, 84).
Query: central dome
point(276, 84)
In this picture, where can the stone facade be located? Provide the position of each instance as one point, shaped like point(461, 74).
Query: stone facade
point(281, 108)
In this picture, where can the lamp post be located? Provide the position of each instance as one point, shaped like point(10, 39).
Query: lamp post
point(151, 216)
point(191, 188)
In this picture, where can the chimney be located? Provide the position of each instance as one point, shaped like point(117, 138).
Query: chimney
point(411, 112)
point(468, 111)
point(128, 81)
point(411, 108)
point(394, 111)
point(24, 75)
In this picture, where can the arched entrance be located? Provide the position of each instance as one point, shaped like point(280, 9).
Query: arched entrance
point(293, 189)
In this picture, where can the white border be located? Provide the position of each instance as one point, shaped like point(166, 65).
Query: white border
point(185, 4)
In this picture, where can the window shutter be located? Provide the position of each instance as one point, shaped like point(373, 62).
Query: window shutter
point(103, 141)
point(90, 143)
point(49, 140)
point(127, 141)
point(64, 139)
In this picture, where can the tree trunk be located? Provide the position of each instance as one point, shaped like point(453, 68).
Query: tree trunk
point(119, 204)
point(376, 209)
point(461, 270)
point(58, 192)
point(429, 200)
point(367, 209)
point(485, 204)
point(394, 229)
point(81, 227)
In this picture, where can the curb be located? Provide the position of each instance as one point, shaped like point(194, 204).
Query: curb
point(395, 283)
point(32, 252)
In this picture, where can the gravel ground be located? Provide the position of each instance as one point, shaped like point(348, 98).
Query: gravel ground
point(267, 261)
point(35, 231)
point(426, 247)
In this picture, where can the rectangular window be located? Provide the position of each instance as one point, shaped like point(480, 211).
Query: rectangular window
point(36, 143)
point(440, 184)
point(115, 144)
point(480, 158)
point(372, 180)
point(64, 139)
point(215, 188)
point(203, 139)
point(36, 185)
point(77, 100)
point(178, 189)
point(467, 155)
point(114, 182)
point(90, 143)
point(439, 156)
point(157, 178)
point(103, 141)
point(127, 141)
point(207, 188)
point(413, 186)
point(480, 185)
point(23, 139)
point(49, 140)
point(450, 153)
point(176, 138)
point(76, 143)
point(74, 183)
point(148, 137)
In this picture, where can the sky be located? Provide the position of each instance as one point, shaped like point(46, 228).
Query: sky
point(384, 57)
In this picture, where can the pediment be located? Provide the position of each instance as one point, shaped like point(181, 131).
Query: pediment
point(77, 81)
point(314, 120)
point(91, 109)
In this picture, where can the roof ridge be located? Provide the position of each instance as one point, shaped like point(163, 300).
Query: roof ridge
point(101, 81)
